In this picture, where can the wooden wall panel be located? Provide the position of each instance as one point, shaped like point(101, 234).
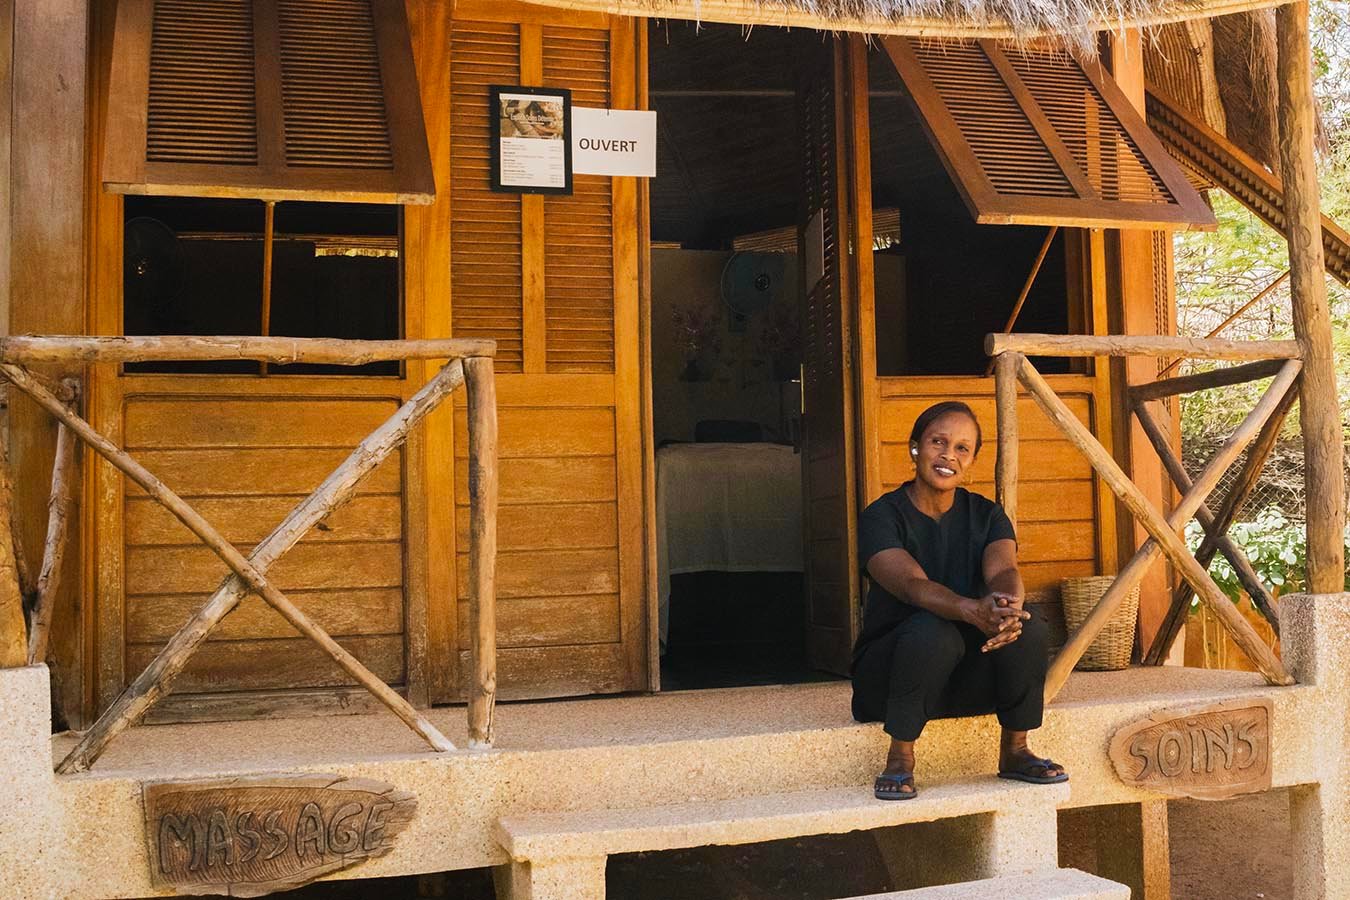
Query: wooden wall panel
point(1057, 497)
point(244, 462)
point(554, 280)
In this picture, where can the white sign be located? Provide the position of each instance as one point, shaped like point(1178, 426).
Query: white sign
point(613, 142)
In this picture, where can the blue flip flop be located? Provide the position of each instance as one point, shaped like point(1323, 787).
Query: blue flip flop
point(1025, 772)
point(897, 794)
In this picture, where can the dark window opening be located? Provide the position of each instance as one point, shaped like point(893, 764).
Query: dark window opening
point(195, 266)
point(943, 281)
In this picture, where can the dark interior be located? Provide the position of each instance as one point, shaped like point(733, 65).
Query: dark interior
point(195, 266)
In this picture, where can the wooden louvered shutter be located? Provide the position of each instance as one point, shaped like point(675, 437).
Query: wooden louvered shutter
point(827, 424)
point(284, 100)
point(1040, 138)
point(578, 229)
point(486, 281)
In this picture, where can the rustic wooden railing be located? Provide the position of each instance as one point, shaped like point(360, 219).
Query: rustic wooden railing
point(469, 363)
point(1275, 358)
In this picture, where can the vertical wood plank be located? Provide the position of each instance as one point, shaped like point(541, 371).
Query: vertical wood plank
point(426, 289)
point(1139, 315)
point(650, 607)
point(1319, 408)
point(633, 608)
point(534, 323)
point(48, 168)
point(1093, 247)
point(865, 334)
point(6, 143)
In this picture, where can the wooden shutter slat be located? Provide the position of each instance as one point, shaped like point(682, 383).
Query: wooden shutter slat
point(1042, 139)
point(266, 99)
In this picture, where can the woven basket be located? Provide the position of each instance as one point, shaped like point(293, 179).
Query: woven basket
point(1111, 649)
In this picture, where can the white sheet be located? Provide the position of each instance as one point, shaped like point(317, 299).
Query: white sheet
point(726, 508)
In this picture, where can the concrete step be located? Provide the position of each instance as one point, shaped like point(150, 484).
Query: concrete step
point(1062, 884)
point(748, 820)
point(562, 855)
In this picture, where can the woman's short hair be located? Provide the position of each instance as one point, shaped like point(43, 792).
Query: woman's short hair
point(937, 411)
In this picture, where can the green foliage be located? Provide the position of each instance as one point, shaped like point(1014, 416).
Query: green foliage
point(1276, 548)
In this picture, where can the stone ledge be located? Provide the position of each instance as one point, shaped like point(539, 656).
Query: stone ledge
point(761, 818)
point(1062, 884)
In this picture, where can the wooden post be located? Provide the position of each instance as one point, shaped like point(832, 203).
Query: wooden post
point(1246, 575)
point(248, 577)
point(1320, 410)
point(482, 391)
point(60, 510)
point(1006, 366)
point(1238, 493)
point(11, 521)
point(13, 628)
point(1162, 531)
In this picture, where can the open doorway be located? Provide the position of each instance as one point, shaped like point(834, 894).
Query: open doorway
point(726, 351)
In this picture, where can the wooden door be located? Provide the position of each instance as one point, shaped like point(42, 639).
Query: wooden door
point(554, 281)
point(829, 489)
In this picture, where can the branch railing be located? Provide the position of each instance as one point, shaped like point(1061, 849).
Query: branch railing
point(1259, 429)
point(469, 364)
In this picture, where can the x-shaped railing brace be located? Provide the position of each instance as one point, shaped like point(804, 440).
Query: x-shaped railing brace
point(1163, 539)
point(249, 573)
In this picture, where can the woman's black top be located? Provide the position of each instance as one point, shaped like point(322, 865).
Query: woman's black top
point(950, 550)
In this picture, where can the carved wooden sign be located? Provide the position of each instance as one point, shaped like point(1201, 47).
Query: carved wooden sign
point(245, 837)
point(1208, 753)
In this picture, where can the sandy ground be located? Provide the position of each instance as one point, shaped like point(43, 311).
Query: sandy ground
point(1213, 858)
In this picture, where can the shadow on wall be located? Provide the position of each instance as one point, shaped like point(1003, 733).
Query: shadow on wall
point(710, 363)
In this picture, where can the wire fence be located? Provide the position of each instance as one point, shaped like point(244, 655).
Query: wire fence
point(1281, 486)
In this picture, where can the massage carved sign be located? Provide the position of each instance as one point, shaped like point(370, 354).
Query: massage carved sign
point(245, 837)
point(1209, 753)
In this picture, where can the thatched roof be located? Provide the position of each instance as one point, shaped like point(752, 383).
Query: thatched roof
point(1075, 20)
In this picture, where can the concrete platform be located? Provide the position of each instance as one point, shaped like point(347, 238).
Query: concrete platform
point(627, 753)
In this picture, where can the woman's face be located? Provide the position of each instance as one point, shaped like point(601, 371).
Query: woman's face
point(946, 451)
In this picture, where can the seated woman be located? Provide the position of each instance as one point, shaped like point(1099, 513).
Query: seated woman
point(944, 632)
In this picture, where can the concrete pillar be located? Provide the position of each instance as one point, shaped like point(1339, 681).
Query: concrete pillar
point(1023, 839)
point(32, 842)
point(564, 878)
point(1314, 629)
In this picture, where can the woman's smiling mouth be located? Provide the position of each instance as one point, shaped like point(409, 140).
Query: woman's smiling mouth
point(944, 471)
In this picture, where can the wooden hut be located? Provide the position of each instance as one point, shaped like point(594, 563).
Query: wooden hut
point(216, 150)
point(852, 194)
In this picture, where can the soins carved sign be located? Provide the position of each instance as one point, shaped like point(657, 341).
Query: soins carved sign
point(245, 837)
point(1208, 753)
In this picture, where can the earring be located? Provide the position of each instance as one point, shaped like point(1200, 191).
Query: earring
point(913, 451)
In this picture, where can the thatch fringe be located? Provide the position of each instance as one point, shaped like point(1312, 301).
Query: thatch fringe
point(1074, 21)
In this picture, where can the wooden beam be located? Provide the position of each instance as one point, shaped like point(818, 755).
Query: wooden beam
point(60, 512)
point(76, 351)
point(1185, 384)
point(1137, 345)
point(339, 487)
point(1319, 409)
point(1246, 575)
point(483, 479)
point(1006, 367)
point(1163, 532)
point(1238, 493)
